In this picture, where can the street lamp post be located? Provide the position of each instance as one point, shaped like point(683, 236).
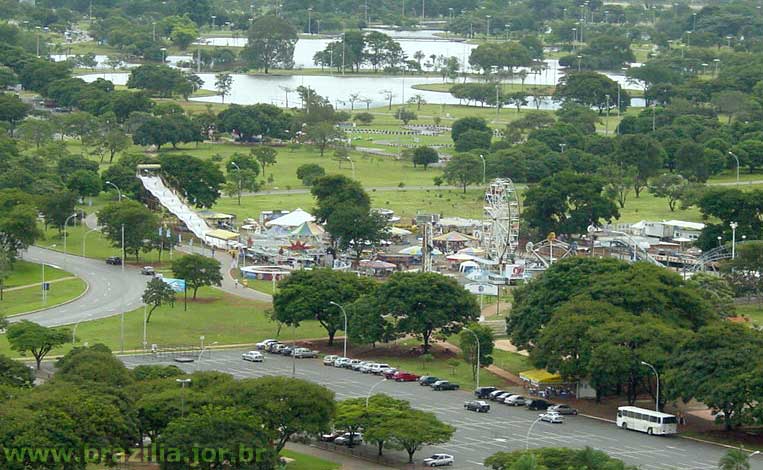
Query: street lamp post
point(238, 173)
point(164, 54)
point(119, 191)
point(487, 28)
point(214, 17)
point(84, 237)
point(606, 123)
point(733, 226)
point(720, 238)
point(368, 397)
point(66, 222)
point(484, 169)
point(183, 383)
point(476, 338)
point(345, 325)
point(310, 20)
point(527, 437)
point(579, 57)
point(656, 374)
point(737, 160)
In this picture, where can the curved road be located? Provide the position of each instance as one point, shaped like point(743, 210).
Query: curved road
point(110, 292)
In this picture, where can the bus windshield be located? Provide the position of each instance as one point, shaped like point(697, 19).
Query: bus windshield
point(670, 420)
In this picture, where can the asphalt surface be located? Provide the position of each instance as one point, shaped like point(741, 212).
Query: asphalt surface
point(110, 292)
point(478, 435)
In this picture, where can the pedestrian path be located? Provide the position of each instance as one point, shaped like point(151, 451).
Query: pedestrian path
point(38, 284)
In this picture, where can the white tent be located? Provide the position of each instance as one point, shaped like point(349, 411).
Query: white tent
point(294, 218)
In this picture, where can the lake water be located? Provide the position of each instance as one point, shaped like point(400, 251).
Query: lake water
point(251, 89)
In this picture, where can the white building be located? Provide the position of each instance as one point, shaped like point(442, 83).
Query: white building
point(668, 229)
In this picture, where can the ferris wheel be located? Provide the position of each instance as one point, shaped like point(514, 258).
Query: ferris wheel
point(501, 221)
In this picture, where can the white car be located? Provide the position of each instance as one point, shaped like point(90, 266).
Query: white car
point(264, 343)
point(551, 417)
point(516, 400)
point(329, 360)
point(344, 439)
point(341, 361)
point(302, 353)
point(366, 368)
point(358, 366)
point(377, 368)
point(253, 356)
point(439, 460)
point(352, 363)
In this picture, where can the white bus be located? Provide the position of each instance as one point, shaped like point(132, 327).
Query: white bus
point(648, 421)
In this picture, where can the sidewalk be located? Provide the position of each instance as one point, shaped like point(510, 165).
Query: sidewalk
point(38, 284)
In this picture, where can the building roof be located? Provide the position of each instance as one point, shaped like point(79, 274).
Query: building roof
point(684, 224)
point(222, 234)
point(293, 219)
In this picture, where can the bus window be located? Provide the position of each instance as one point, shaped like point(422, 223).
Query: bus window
point(619, 414)
point(669, 420)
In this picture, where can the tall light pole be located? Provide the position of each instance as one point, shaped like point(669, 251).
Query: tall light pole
point(119, 192)
point(214, 17)
point(84, 237)
point(368, 396)
point(606, 123)
point(164, 54)
point(66, 222)
point(527, 437)
point(656, 374)
point(183, 383)
point(345, 325)
point(487, 27)
point(476, 338)
point(484, 168)
point(38, 40)
point(153, 31)
point(737, 160)
point(310, 20)
point(238, 173)
point(733, 226)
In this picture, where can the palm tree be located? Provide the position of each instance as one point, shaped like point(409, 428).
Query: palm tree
point(735, 459)
point(528, 462)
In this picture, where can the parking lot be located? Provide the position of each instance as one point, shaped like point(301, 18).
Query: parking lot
point(478, 435)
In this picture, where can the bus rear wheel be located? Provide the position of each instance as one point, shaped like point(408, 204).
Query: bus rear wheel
point(649, 431)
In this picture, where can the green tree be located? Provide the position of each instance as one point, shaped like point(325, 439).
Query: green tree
point(264, 120)
point(307, 295)
point(424, 303)
point(619, 181)
point(271, 43)
point(643, 153)
point(364, 118)
point(197, 271)
point(356, 228)
point(671, 186)
point(425, 156)
point(726, 381)
point(405, 115)
point(419, 429)
point(138, 222)
point(734, 459)
point(15, 374)
point(590, 89)
point(265, 155)
point(468, 346)
point(460, 126)
point(6, 269)
point(115, 141)
point(287, 406)
point(332, 191)
point(223, 84)
point(27, 337)
point(58, 207)
point(717, 291)
point(463, 169)
point(567, 203)
point(36, 131)
point(84, 183)
point(18, 224)
point(552, 458)
point(12, 110)
point(197, 180)
point(158, 293)
point(367, 325)
point(322, 134)
point(309, 172)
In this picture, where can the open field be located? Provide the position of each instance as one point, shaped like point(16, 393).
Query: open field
point(220, 317)
point(753, 311)
point(307, 462)
point(26, 273)
point(30, 298)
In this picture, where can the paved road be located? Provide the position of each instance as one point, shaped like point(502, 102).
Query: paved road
point(480, 435)
point(109, 293)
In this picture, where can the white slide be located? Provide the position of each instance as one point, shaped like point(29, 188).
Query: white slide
point(174, 204)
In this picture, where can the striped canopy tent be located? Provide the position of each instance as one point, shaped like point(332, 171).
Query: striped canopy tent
point(308, 230)
point(416, 251)
point(472, 251)
point(453, 237)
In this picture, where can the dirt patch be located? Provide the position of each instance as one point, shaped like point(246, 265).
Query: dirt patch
point(505, 345)
point(201, 300)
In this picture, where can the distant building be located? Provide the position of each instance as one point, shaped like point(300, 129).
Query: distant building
point(677, 230)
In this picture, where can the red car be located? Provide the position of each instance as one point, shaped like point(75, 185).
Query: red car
point(401, 376)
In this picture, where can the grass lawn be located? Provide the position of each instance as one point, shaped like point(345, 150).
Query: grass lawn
point(307, 462)
point(219, 317)
point(26, 273)
point(512, 362)
point(753, 311)
point(30, 298)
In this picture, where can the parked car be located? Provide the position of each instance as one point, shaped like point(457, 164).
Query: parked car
point(302, 353)
point(502, 397)
point(428, 380)
point(538, 405)
point(115, 260)
point(551, 417)
point(331, 436)
point(377, 368)
point(563, 409)
point(484, 392)
point(356, 367)
point(148, 271)
point(341, 361)
point(254, 356)
point(344, 439)
point(515, 400)
point(273, 347)
point(352, 362)
point(439, 460)
point(477, 405)
point(494, 394)
point(328, 360)
point(401, 376)
point(286, 351)
point(264, 343)
point(366, 368)
point(282, 349)
point(444, 385)
point(387, 370)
